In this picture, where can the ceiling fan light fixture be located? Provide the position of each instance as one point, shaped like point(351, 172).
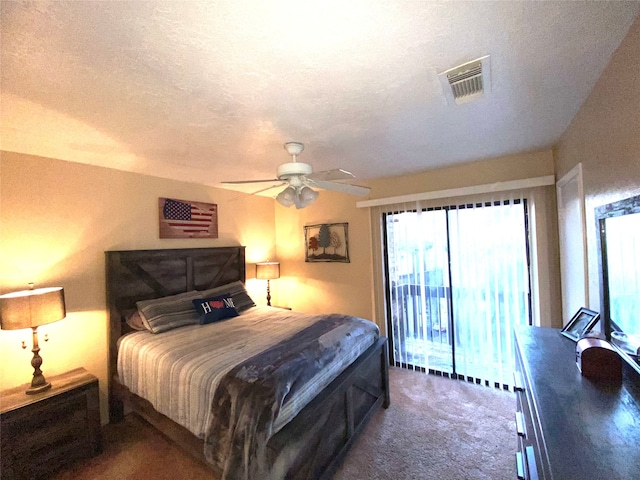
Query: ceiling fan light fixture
point(305, 197)
point(287, 197)
point(300, 197)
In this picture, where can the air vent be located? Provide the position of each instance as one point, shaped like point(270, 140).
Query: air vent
point(467, 82)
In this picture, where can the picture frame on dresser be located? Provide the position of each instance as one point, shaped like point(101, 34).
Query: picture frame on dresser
point(580, 324)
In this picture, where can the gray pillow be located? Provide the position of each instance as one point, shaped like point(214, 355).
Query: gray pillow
point(135, 320)
point(166, 313)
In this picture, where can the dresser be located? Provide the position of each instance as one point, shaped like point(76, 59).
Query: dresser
point(570, 427)
point(43, 432)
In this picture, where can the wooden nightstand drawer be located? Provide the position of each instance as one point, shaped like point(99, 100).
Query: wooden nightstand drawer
point(43, 432)
point(47, 423)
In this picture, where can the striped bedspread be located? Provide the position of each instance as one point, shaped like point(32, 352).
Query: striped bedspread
point(179, 371)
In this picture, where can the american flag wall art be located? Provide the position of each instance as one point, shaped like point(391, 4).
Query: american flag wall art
point(185, 219)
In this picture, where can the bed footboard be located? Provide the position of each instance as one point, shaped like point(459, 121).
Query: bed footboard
point(320, 436)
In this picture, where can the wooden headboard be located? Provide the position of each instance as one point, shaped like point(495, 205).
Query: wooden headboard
point(134, 275)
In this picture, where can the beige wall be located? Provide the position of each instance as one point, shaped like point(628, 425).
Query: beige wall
point(324, 287)
point(605, 137)
point(482, 172)
point(56, 220)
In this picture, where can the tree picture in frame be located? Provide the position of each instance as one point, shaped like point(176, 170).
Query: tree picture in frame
point(327, 242)
point(580, 324)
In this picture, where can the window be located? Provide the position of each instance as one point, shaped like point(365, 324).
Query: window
point(457, 281)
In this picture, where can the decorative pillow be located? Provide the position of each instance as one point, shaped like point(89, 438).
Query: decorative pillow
point(166, 313)
point(134, 320)
point(241, 298)
point(215, 308)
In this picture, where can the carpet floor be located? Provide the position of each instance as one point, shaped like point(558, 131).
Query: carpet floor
point(435, 428)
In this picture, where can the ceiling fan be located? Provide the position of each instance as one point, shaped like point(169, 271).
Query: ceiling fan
point(299, 178)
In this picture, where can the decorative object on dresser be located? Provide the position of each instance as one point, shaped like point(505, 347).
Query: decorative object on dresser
point(580, 324)
point(185, 219)
point(268, 271)
point(597, 359)
point(42, 432)
point(31, 309)
point(332, 236)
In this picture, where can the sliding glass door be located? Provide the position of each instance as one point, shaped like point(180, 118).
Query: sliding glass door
point(418, 279)
point(457, 283)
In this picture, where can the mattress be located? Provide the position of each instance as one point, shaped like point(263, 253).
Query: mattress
point(178, 371)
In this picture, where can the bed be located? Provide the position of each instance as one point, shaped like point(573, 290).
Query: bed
point(312, 443)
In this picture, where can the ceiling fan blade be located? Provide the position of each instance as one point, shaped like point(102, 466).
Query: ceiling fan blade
point(341, 187)
point(269, 188)
point(240, 182)
point(329, 175)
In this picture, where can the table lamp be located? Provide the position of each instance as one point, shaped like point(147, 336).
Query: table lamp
point(30, 309)
point(268, 271)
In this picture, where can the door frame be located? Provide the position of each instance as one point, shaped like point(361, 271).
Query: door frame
point(572, 239)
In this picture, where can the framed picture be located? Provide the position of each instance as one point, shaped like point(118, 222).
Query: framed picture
point(184, 219)
point(327, 242)
point(580, 324)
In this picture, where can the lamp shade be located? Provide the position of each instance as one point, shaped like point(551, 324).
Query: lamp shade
point(267, 270)
point(31, 308)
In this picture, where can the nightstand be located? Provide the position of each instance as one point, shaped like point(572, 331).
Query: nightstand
point(41, 433)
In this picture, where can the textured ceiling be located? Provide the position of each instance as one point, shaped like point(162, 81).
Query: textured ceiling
point(207, 91)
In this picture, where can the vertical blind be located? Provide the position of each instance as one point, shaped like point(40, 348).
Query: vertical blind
point(624, 259)
point(456, 281)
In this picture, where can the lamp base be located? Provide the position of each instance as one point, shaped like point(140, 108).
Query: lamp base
point(38, 382)
point(268, 294)
point(37, 389)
